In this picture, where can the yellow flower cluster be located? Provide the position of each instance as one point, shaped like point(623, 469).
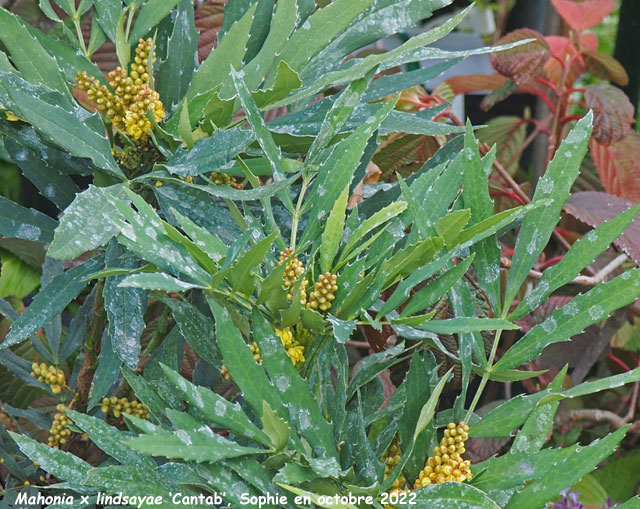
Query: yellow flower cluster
point(447, 464)
point(391, 459)
point(222, 179)
point(293, 270)
point(53, 377)
point(60, 428)
point(118, 406)
point(294, 350)
point(324, 292)
point(127, 107)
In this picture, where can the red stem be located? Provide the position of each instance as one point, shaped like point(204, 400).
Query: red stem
point(618, 361)
point(508, 194)
point(551, 261)
point(548, 84)
point(570, 118)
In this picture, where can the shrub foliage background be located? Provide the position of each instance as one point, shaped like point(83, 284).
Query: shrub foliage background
point(215, 229)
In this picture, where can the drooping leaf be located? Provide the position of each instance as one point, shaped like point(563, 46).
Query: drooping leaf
point(20, 222)
point(604, 66)
point(583, 311)
point(613, 113)
point(51, 300)
point(524, 63)
point(209, 154)
point(107, 371)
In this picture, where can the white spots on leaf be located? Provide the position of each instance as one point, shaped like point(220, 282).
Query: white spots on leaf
point(492, 273)
point(549, 325)
point(570, 309)
point(545, 185)
point(534, 243)
point(304, 417)
point(220, 408)
point(597, 313)
point(28, 232)
point(282, 383)
point(184, 437)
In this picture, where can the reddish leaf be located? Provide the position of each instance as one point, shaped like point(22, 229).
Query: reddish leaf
point(208, 20)
point(583, 15)
point(522, 63)
point(475, 83)
point(594, 207)
point(404, 153)
point(612, 110)
point(606, 67)
point(508, 134)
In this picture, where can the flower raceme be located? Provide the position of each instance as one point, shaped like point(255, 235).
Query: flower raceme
point(53, 377)
point(126, 107)
point(446, 463)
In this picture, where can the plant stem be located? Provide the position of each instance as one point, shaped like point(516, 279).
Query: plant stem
point(485, 376)
point(76, 22)
point(295, 220)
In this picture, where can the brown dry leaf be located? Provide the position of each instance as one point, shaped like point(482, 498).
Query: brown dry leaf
point(594, 207)
point(371, 177)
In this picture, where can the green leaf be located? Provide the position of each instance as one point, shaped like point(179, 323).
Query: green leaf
point(207, 241)
point(88, 223)
point(372, 365)
point(282, 24)
point(582, 253)
point(17, 278)
point(602, 384)
point(61, 464)
point(467, 324)
point(332, 233)
point(567, 472)
point(620, 476)
point(245, 372)
point(450, 226)
point(229, 192)
point(108, 14)
point(125, 308)
point(434, 290)
point(303, 410)
point(364, 65)
point(200, 446)
point(319, 29)
point(584, 310)
point(475, 193)
point(535, 431)
point(51, 300)
point(23, 223)
point(196, 328)
point(337, 116)
point(403, 290)
point(157, 281)
point(28, 55)
point(107, 371)
point(337, 171)
point(379, 218)
point(209, 154)
point(286, 81)
point(152, 12)
point(184, 126)
point(556, 184)
point(50, 182)
point(72, 127)
point(271, 150)
point(450, 495)
point(229, 54)
point(274, 427)
point(215, 408)
point(110, 440)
